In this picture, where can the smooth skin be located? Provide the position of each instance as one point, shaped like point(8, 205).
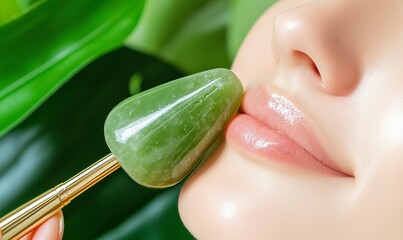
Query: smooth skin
point(340, 63)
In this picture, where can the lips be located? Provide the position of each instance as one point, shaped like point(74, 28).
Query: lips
point(270, 127)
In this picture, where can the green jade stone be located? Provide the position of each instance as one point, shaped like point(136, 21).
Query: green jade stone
point(160, 135)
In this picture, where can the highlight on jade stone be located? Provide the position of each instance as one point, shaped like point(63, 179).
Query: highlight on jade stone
point(161, 134)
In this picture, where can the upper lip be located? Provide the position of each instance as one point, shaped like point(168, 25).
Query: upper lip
point(280, 114)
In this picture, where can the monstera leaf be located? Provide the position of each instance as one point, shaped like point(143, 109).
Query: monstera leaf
point(41, 49)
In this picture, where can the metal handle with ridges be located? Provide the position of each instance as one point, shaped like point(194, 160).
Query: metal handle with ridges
point(25, 218)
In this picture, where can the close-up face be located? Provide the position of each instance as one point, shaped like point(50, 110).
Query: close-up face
point(316, 150)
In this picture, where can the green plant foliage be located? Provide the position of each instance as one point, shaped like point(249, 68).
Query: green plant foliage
point(41, 49)
point(244, 13)
point(189, 34)
point(11, 9)
point(158, 220)
point(196, 35)
point(8, 9)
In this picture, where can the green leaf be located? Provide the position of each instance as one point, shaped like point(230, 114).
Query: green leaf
point(196, 35)
point(189, 34)
point(44, 47)
point(65, 135)
point(244, 13)
point(157, 220)
point(8, 10)
point(135, 83)
point(12, 9)
point(26, 3)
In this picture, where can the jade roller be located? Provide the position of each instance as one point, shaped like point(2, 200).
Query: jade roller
point(157, 136)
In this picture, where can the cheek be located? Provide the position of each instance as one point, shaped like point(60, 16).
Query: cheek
point(391, 128)
point(387, 170)
point(378, 198)
point(378, 206)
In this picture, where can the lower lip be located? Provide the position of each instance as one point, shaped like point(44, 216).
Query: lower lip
point(255, 139)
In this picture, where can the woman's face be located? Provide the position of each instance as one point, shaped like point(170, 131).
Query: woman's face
point(317, 149)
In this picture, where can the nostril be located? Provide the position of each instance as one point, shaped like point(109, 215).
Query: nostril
point(307, 62)
point(315, 68)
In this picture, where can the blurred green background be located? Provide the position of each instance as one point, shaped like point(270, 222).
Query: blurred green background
point(64, 64)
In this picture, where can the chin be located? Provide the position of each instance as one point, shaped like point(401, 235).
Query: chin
point(205, 202)
point(219, 200)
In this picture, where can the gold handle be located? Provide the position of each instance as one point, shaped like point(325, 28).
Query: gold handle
point(25, 218)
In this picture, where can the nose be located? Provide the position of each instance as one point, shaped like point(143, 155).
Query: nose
point(308, 38)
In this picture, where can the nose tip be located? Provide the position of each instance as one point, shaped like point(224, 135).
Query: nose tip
point(305, 38)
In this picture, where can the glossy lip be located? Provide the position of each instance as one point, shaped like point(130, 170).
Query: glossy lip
point(272, 127)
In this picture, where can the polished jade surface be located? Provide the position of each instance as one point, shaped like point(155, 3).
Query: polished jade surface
point(161, 134)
